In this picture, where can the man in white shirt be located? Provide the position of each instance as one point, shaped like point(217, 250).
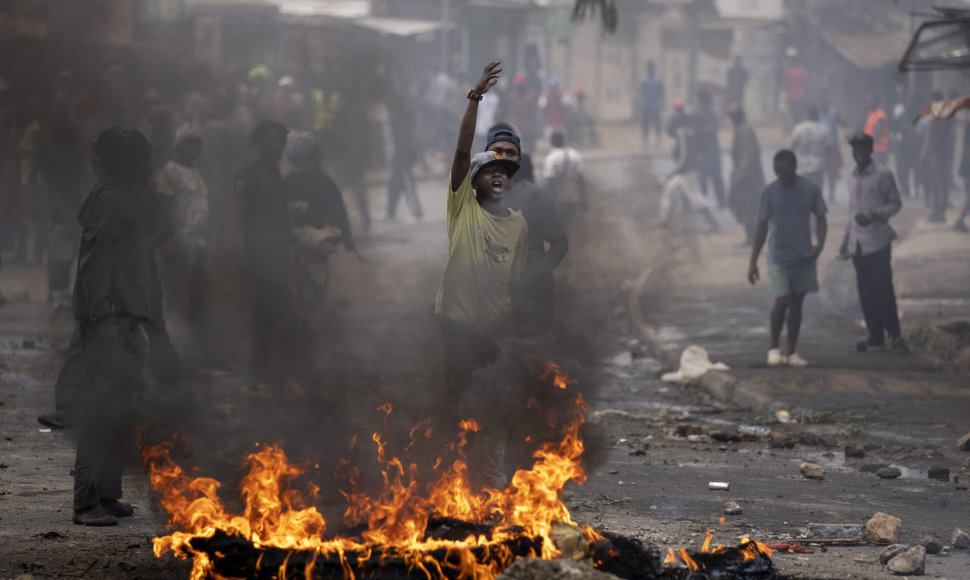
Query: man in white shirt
point(562, 173)
point(810, 140)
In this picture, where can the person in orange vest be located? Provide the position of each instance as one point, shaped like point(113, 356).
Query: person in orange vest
point(877, 127)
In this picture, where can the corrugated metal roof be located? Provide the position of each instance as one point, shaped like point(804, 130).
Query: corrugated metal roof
point(869, 50)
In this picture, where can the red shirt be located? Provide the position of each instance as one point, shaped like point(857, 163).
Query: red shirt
point(797, 79)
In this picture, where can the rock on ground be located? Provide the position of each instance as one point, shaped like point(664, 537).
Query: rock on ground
point(558, 569)
point(883, 529)
point(964, 443)
point(812, 471)
point(932, 544)
point(889, 472)
point(855, 450)
point(834, 531)
point(960, 539)
point(732, 508)
point(890, 552)
point(939, 473)
point(912, 561)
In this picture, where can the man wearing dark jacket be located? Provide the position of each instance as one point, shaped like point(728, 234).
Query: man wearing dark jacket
point(112, 303)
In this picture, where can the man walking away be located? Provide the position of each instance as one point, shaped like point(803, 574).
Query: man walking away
point(873, 199)
point(787, 206)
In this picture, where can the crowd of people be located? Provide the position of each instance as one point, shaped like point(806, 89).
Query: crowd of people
point(790, 207)
point(187, 193)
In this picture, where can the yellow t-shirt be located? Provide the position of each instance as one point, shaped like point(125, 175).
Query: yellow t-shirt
point(485, 254)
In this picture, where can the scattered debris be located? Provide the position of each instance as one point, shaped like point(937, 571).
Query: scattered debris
point(883, 529)
point(754, 430)
point(833, 531)
point(784, 417)
point(812, 471)
point(890, 552)
point(939, 473)
point(932, 544)
point(785, 547)
point(719, 485)
point(694, 362)
point(912, 561)
point(960, 539)
point(732, 508)
point(888, 472)
point(855, 450)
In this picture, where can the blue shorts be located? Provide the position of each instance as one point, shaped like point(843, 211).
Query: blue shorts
point(797, 279)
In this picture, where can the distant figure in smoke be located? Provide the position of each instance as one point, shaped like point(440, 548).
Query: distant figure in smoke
point(737, 80)
point(796, 84)
point(265, 228)
point(318, 204)
point(112, 302)
point(186, 199)
point(810, 140)
point(877, 127)
point(523, 106)
point(933, 163)
point(681, 191)
point(553, 103)
point(787, 205)
point(60, 165)
point(564, 178)
point(873, 200)
point(533, 297)
point(747, 176)
point(487, 245)
point(403, 158)
point(708, 148)
point(829, 116)
point(651, 104)
point(678, 123)
point(960, 225)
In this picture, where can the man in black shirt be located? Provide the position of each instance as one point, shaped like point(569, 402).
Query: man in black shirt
point(112, 302)
point(265, 225)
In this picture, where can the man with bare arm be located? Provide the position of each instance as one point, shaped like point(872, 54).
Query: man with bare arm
point(486, 252)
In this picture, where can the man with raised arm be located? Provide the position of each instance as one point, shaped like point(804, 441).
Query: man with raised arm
point(486, 252)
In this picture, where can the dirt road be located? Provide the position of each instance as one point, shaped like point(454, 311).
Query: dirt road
point(650, 479)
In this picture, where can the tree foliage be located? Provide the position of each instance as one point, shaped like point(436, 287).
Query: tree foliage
point(585, 9)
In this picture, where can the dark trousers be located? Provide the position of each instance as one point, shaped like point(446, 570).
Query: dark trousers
point(535, 305)
point(401, 181)
point(271, 308)
point(709, 171)
point(114, 352)
point(874, 278)
point(163, 361)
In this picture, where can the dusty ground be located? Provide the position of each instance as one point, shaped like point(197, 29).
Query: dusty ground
point(648, 481)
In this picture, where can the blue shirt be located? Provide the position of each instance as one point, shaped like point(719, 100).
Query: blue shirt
point(652, 92)
point(788, 210)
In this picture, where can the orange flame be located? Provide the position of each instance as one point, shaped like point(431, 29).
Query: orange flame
point(559, 378)
point(396, 516)
point(706, 548)
point(681, 556)
point(751, 549)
